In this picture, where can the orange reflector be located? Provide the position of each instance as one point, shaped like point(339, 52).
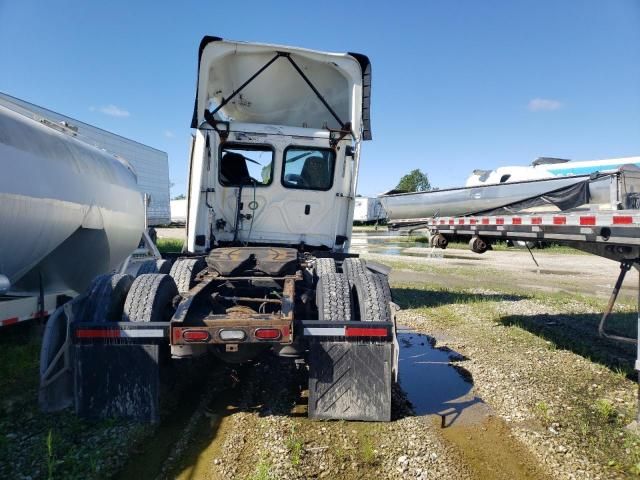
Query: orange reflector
point(195, 335)
point(365, 332)
point(267, 333)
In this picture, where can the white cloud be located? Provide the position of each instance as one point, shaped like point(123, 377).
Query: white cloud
point(544, 105)
point(111, 110)
point(168, 134)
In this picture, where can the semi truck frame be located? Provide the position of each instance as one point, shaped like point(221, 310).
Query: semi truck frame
point(266, 268)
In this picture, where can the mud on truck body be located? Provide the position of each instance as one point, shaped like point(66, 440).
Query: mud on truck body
point(272, 179)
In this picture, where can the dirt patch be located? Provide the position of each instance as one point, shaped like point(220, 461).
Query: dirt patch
point(490, 451)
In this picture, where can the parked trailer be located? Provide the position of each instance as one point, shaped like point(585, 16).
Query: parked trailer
point(610, 234)
point(368, 209)
point(272, 181)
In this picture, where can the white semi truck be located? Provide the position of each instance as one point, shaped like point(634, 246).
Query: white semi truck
point(272, 179)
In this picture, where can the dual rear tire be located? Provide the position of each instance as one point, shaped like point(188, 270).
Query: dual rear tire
point(355, 294)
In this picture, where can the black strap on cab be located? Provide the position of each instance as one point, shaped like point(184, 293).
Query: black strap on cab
point(208, 115)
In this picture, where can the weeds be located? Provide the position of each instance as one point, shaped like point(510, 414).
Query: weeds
point(368, 452)
point(605, 410)
point(50, 457)
point(263, 471)
point(542, 409)
point(294, 444)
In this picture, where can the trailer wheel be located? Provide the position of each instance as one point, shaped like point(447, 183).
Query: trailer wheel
point(184, 271)
point(352, 267)
point(150, 299)
point(106, 298)
point(374, 297)
point(333, 297)
point(163, 266)
point(324, 266)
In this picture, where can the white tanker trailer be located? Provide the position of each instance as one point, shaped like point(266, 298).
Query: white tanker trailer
point(68, 211)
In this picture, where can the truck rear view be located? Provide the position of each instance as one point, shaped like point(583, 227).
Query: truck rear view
point(272, 181)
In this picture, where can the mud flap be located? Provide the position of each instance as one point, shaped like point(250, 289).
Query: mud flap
point(117, 380)
point(350, 381)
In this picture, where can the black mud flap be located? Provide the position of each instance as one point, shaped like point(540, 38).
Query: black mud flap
point(350, 381)
point(117, 380)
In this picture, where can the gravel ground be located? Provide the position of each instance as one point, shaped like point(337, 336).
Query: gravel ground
point(548, 396)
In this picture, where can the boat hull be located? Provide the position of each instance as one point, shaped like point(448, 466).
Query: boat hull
point(471, 200)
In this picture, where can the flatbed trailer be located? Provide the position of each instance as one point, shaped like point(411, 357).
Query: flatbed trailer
point(610, 234)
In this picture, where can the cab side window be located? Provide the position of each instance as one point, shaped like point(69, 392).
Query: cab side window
point(308, 168)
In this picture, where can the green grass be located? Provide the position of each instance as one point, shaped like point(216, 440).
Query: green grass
point(169, 245)
point(294, 445)
point(262, 471)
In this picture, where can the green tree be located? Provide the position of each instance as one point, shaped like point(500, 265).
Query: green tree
point(414, 181)
point(179, 197)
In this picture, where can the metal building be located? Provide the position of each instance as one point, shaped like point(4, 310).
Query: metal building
point(151, 165)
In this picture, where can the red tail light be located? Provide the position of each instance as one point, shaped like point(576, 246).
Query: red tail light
point(196, 335)
point(268, 334)
point(365, 332)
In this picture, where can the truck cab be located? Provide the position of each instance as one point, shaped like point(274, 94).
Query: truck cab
point(276, 150)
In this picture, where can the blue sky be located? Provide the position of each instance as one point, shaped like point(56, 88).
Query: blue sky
point(457, 84)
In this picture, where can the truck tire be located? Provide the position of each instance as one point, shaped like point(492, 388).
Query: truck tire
point(184, 271)
point(106, 298)
point(352, 267)
point(373, 297)
point(324, 266)
point(333, 297)
point(163, 266)
point(150, 299)
point(149, 266)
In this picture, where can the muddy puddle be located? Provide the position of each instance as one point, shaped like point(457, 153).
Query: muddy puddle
point(438, 386)
point(435, 384)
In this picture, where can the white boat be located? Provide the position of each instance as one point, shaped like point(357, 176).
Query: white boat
point(68, 210)
point(548, 167)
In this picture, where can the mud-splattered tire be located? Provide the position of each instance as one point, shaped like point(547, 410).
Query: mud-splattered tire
point(374, 297)
point(184, 271)
point(333, 297)
point(324, 266)
point(352, 267)
point(150, 299)
point(106, 298)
